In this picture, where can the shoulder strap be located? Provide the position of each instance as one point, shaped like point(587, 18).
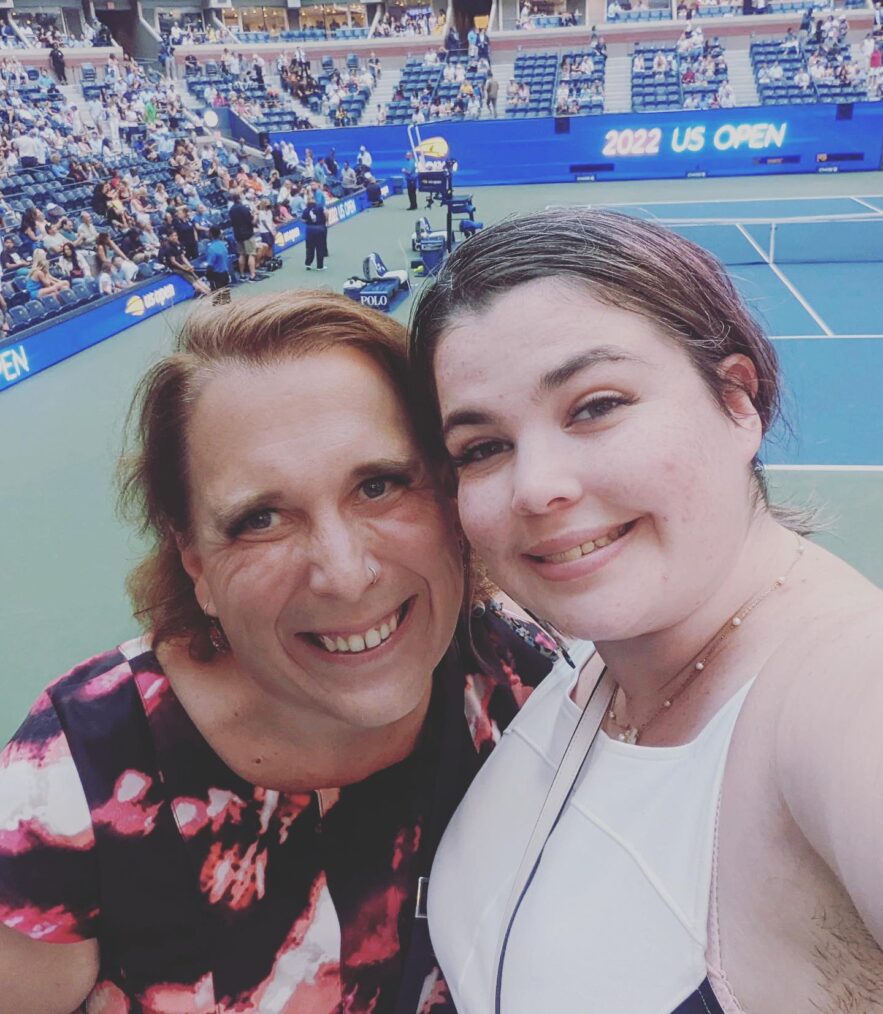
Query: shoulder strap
point(553, 806)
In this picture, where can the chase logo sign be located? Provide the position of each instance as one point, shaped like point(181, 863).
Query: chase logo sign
point(287, 237)
point(137, 306)
point(434, 148)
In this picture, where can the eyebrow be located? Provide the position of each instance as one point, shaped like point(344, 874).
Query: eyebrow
point(584, 361)
point(548, 381)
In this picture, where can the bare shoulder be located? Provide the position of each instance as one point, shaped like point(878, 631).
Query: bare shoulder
point(44, 978)
point(834, 641)
point(823, 687)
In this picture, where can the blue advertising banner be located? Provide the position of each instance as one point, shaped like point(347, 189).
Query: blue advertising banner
point(23, 357)
point(754, 140)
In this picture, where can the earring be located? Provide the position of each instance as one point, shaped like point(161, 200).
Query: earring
point(216, 632)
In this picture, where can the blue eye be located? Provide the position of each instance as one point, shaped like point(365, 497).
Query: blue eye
point(259, 521)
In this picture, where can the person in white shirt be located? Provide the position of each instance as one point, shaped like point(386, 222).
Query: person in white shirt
point(603, 392)
point(364, 158)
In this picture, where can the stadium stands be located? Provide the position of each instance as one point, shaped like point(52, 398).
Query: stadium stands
point(532, 90)
point(580, 88)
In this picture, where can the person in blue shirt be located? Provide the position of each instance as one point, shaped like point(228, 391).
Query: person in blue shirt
point(217, 263)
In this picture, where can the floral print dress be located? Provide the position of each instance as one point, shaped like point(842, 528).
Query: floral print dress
point(209, 894)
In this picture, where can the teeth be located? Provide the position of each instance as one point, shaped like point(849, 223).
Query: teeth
point(587, 547)
point(355, 643)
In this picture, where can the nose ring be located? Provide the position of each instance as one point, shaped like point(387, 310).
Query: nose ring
point(373, 574)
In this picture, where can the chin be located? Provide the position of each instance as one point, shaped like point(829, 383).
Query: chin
point(382, 707)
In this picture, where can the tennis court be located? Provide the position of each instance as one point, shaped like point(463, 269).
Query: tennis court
point(65, 554)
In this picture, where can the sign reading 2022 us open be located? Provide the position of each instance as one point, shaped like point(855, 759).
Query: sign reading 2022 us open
point(637, 142)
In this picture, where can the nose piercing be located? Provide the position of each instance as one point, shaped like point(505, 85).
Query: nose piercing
point(373, 574)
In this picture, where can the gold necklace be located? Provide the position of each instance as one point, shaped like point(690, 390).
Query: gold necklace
point(697, 665)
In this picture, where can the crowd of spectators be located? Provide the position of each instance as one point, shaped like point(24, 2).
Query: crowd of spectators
point(413, 22)
point(818, 58)
point(581, 78)
point(530, 15)
point(461, 89)
point(141, 187)
point(699, 66)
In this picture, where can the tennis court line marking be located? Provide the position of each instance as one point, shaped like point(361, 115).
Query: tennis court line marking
point(786, 282)
point(823, 468)
point(873, 207)
point(732, 200)
point(816, 337)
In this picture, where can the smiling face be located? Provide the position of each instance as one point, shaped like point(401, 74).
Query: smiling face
point(306, 482)
point(599, 479)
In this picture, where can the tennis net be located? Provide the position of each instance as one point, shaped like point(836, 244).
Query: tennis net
point(819, 239)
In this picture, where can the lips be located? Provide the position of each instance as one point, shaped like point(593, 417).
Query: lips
point(357, 642)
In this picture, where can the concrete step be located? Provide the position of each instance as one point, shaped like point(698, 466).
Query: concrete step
point(618, 84)
point(741, 77)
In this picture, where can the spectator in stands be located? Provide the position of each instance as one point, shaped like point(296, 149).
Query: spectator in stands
point(264, 224)
point(54, 237)
point(802, 79)
point(186, 232)
point(40, 281)
point(348, 179)
point(790, 43)
point(660, 65)
point(123, 273)
point(105, 251)
point(242, 221)
point(726, 96)
point(87, 233)
point(32, 228)
point(27, 148)
point(776, 72)
point(173, 257)
point(11, 261)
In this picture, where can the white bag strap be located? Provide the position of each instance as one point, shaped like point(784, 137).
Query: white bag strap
point(562, 786)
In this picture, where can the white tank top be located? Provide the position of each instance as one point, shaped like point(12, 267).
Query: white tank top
point(615, 919)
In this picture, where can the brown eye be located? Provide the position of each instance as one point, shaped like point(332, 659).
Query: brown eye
point(375, 488)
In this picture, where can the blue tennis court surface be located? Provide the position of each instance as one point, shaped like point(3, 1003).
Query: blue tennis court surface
point(817, 287)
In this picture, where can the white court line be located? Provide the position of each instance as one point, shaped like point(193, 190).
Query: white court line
point(786, 282)
point(824, 337)
point(823, 468)
point(732, 200)
point(873, 207)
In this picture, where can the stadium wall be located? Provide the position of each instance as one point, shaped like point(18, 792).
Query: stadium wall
point(757, 140)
